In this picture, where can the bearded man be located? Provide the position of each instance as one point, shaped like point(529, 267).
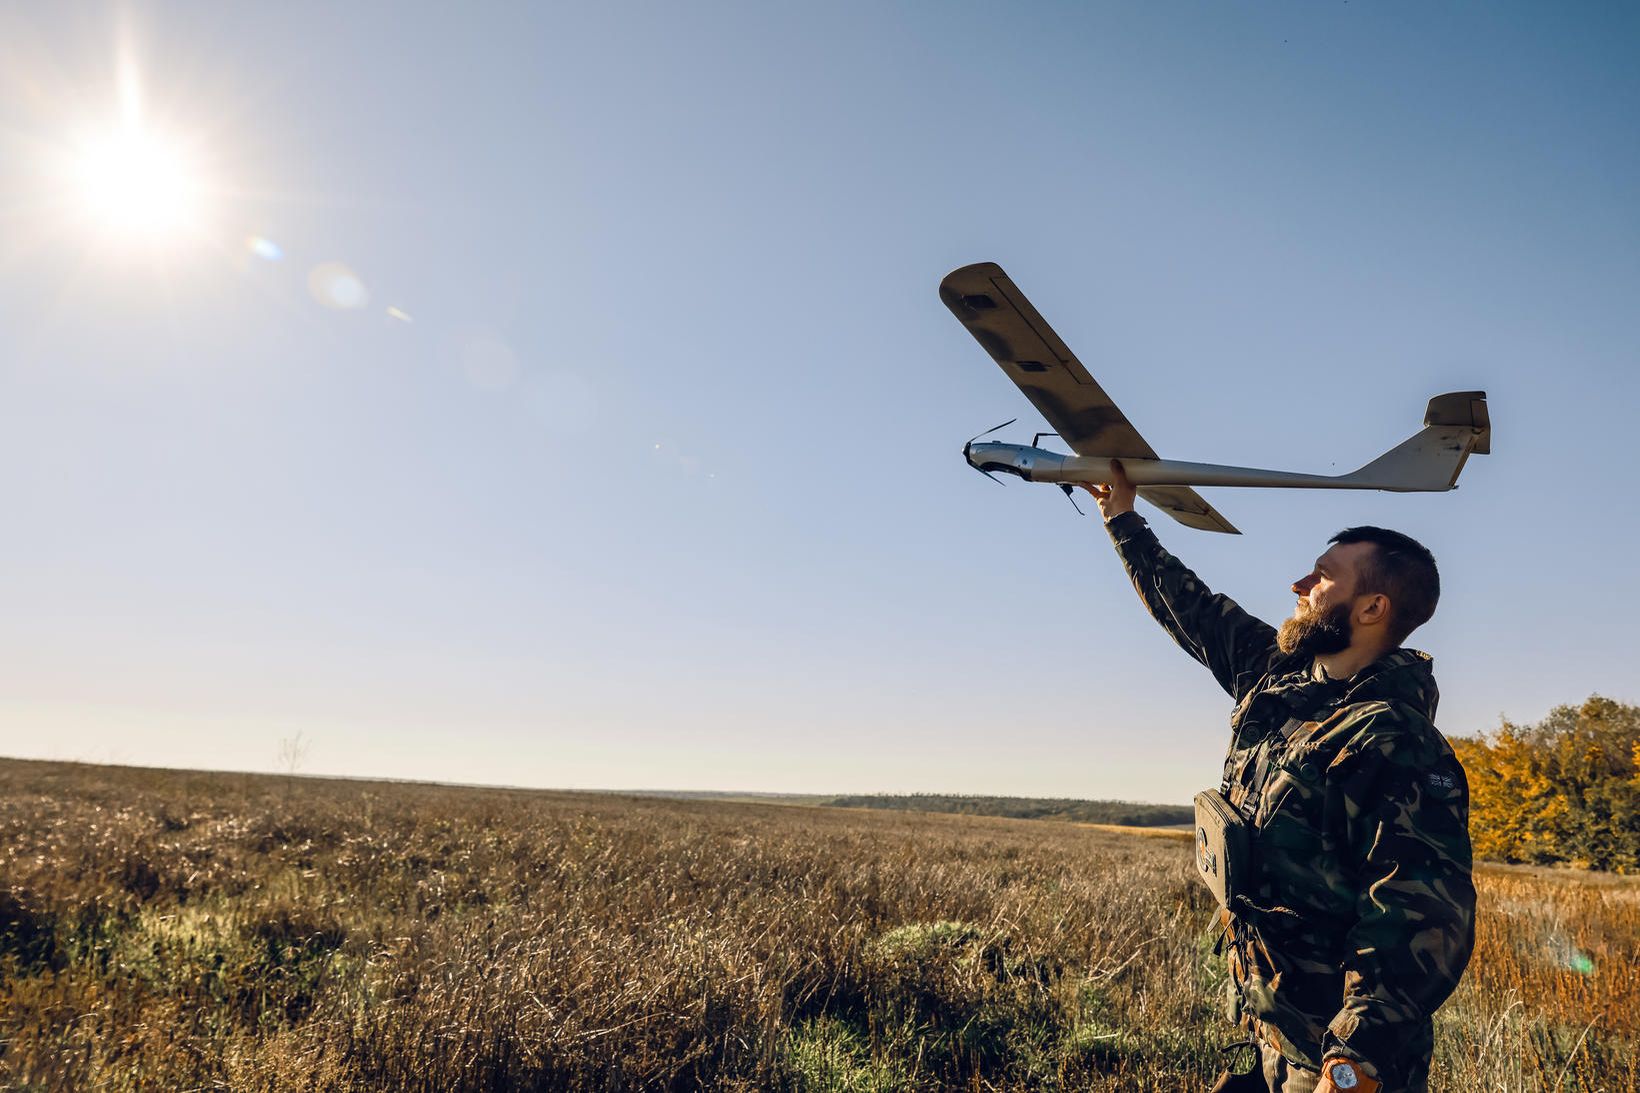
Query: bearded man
point(1356, 914)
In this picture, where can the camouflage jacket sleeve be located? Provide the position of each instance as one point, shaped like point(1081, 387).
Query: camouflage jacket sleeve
point(1235, 646)
point(1406, 817)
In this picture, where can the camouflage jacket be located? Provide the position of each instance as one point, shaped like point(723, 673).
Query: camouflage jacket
point(1363, 916)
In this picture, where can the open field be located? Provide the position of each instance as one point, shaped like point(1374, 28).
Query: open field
point(1109, 813)
point(1118, 813)
point(167, 930)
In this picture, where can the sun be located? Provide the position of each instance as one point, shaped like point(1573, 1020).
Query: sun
point(138, 184)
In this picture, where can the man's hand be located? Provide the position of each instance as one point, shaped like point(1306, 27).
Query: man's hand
point(1116, 496)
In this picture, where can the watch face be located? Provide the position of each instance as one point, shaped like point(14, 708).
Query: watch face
point(1343, 1076)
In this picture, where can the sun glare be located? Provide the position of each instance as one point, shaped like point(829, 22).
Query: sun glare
point(139, 184)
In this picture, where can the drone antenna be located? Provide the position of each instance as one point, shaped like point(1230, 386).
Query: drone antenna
point(1070, 495)
point(1039, 436)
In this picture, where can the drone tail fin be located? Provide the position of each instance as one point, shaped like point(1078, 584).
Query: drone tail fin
point(1455, 426)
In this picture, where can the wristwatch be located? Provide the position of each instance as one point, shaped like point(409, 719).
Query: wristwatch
point(1347, 1074)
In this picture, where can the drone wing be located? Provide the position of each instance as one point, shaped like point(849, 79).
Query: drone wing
point(1005, 324)
point(1019, 339)
point(1187, 507)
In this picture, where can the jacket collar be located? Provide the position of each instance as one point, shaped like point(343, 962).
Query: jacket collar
point(1405, 676)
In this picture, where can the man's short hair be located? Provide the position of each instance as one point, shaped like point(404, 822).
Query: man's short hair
point(1401, 568)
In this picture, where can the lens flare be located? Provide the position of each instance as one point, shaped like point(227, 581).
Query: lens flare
point(334, 285)
point(1563, 952)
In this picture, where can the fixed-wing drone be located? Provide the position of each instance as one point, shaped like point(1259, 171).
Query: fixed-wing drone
point(1003, 321)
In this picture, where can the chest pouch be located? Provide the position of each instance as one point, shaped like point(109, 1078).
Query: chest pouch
point(1224, 834)
point(1223, 846)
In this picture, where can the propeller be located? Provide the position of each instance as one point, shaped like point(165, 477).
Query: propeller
point(968, 447)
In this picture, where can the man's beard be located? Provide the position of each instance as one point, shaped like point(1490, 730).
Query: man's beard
point(1317, 633)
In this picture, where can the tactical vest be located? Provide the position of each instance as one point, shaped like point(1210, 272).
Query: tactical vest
point(1265, 724)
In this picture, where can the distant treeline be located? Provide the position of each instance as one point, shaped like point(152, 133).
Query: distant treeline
point(1565, 789)
point(1126, 813)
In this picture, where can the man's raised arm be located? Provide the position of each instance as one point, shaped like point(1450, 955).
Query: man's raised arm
point(1235, 646)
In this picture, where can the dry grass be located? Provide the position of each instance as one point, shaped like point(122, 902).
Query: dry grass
point(167, 930)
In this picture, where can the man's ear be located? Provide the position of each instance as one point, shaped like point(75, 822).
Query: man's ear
point(1372, 610)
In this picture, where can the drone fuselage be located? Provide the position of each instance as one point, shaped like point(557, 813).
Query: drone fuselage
point(1040, 465)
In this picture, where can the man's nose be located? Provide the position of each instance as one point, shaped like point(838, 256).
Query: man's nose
point(1303, 585)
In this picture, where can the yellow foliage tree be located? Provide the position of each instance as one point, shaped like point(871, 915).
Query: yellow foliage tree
point(1566, 789)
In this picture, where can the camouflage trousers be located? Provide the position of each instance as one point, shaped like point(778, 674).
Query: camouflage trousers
point(1282, 1076)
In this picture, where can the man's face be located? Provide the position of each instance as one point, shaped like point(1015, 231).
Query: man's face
point(1321, 622)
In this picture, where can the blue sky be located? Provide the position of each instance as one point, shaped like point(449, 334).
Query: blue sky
point(661, 487)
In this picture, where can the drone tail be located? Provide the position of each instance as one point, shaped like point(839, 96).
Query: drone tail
point(1455, 425)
